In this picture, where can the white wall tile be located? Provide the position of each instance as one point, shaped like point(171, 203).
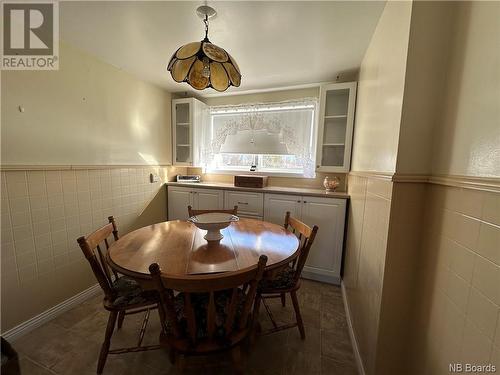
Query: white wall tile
point(467, 231)
point(457, 290)
point(38, 202)
point(54, 187)
point(27, 273)
point(497, 332)
point(55, 200)
point(482, 312)
point(491, 208)
point(476, 347)
point(486, 279)
point(489, 242)
point(19, 204)
point(22, 232)
point(462, 261)
point(20, 218)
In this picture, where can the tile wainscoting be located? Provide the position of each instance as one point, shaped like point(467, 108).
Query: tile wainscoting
point(45, 210)
point(458, 307)
point(422, 271)
point(369, 212)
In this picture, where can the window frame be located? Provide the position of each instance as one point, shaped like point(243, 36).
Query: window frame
point(269, 171)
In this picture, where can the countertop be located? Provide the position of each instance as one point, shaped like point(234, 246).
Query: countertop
point(267, 189)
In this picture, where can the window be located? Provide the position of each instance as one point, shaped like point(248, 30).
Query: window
point(275, 138)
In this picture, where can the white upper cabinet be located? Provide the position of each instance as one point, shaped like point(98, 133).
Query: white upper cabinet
point(186, 122)
point(335, 128)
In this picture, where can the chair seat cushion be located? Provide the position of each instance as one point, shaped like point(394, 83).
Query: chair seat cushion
point(199, 302)
point(283, 280)
point(130, 293)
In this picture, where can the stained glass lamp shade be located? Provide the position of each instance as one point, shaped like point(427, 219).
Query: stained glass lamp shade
point(203, 64)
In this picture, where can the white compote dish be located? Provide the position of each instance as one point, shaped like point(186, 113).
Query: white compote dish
point(213, 222)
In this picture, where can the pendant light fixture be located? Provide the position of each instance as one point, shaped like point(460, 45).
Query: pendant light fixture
point(203, 64)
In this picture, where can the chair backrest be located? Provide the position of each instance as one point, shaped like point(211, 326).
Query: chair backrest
point(306, 236)
point(239, 289)
point(191, 212)
point(91, 247)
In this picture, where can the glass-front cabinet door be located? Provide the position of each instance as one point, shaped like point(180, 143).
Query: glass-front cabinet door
point(335, 130)
point(182, 131)
point(186, 124)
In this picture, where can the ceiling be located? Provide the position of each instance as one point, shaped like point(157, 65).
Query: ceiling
point(276, 44)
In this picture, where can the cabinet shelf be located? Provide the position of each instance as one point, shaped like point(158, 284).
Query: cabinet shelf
point(182, 124)
point(333, 144)
point(335, 116)
point(183, 145)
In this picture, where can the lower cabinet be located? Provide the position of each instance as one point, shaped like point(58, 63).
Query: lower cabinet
point(179, 198)
point(249, 204)
point(325, 257)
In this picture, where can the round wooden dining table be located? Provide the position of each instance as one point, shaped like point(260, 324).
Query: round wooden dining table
point(181, 251)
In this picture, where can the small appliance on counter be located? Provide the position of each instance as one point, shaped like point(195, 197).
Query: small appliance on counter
point(188, 178)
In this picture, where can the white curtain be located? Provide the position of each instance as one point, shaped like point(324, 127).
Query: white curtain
point(285, 128)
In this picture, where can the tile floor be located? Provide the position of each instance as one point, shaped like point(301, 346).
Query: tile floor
point(70, 343)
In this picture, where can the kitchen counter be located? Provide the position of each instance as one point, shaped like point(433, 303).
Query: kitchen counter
point(267, 189)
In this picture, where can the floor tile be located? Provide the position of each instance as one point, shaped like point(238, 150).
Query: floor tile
point(70, 344)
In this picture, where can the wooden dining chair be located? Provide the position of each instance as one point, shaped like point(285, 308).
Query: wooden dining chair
point(287, 280)
point(207, 313)
point(191, 212)
point(122, 295)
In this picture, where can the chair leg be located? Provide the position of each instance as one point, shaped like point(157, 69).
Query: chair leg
point(236, 355)
point(255, 328)
point(300, 324)
point(283, 299)
point(121, 316)
point(107, 340)
point(172, 355)
point(181, 363)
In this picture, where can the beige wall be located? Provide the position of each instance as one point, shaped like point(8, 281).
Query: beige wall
point(380, 92)
point(468, 139)
point(428, 55)
point(86, 113)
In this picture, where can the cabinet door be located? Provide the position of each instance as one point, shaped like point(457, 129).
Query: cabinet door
point(208, 199)
point(335, 127)
point(276, 206)
point(178, 201)
point(325, 256)
point(182, 131)
point(249, 203)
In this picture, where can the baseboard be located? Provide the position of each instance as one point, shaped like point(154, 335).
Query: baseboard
point(22, 329)
point(311, 275)
point(354, 342)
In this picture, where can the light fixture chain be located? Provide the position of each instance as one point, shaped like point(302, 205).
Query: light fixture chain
point(206, 26)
